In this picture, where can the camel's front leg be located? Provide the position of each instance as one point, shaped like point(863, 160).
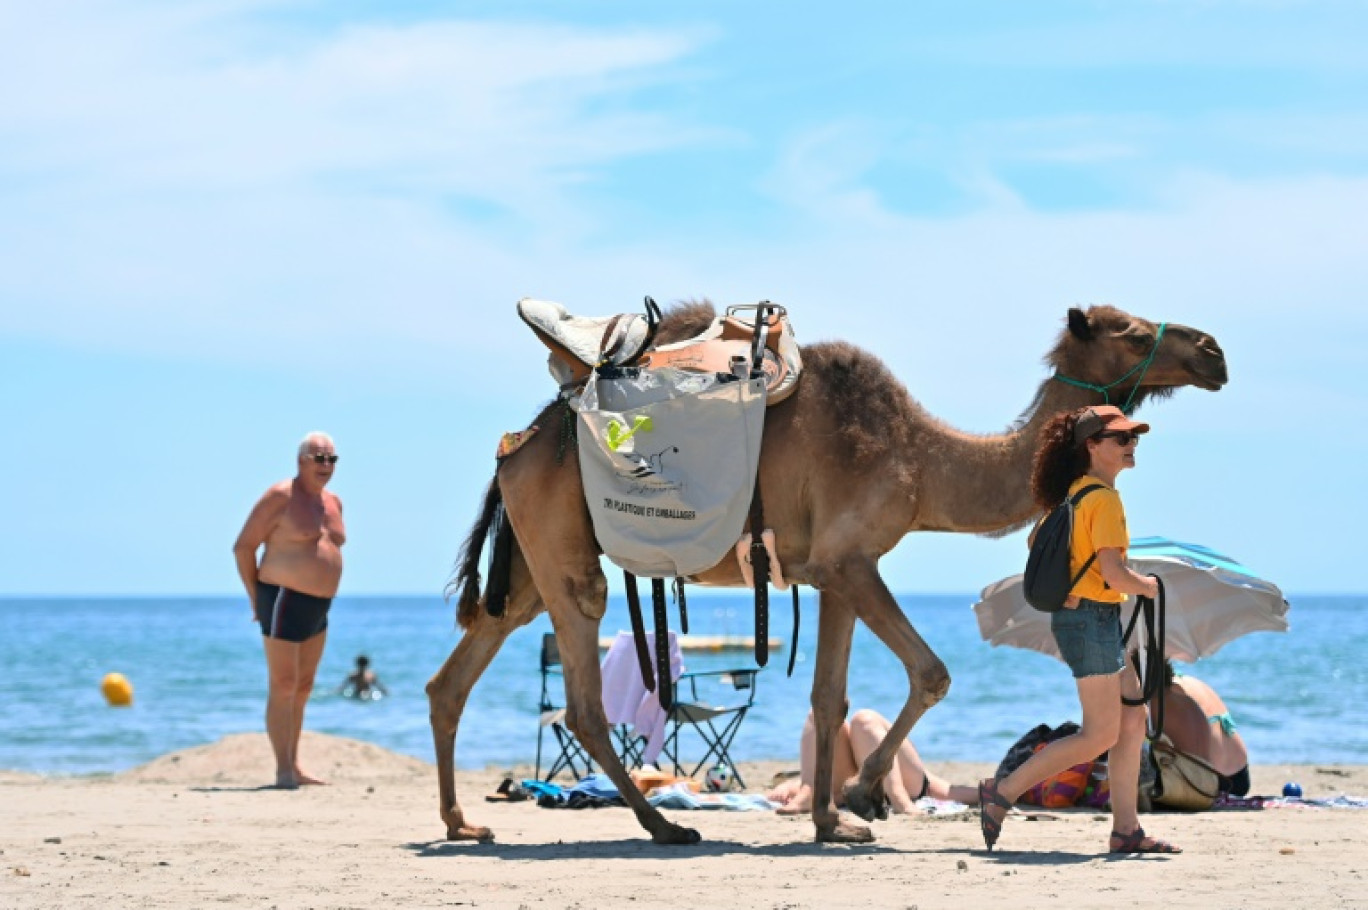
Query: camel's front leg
point(835, 627)
point(448, 690)
point(928, 680)
point(577, 637)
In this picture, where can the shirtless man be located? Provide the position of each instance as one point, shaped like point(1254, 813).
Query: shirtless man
point(290, 591)
point(1199, 723)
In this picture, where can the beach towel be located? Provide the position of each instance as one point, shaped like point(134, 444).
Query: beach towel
point(625, 697)
point(1340, 801)
point(680, 796)
point(594, 791)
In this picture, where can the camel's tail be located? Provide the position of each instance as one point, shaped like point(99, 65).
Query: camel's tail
point(493, 525)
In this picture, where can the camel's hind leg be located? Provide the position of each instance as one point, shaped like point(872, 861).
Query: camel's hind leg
point(928, 679)
point(450, 687)
point(577, 638)
point(835, 627)
point(545, 502)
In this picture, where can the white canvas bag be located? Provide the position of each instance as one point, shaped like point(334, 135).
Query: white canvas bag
point(668, 459)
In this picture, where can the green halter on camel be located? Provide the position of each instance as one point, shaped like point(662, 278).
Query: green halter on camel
point(1143, 366)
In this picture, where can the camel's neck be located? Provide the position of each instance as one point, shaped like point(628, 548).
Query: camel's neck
point(982, 484)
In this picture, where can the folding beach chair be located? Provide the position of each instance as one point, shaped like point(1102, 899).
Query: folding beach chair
point(571, 756)
point(715, 725)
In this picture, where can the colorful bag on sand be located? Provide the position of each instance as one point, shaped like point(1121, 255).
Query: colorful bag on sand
point(1076, 786)
point(1084, 784)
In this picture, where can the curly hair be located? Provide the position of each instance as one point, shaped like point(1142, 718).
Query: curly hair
point(1059, 461)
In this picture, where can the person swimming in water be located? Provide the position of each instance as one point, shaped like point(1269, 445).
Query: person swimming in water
point(363, 684)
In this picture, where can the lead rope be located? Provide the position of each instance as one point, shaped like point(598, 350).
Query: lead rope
point(1152, 672)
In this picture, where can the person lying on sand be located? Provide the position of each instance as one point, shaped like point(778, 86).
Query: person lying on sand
point(857, 738)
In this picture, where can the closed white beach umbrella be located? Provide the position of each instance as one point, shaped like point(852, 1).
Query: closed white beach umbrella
point(1211, 600)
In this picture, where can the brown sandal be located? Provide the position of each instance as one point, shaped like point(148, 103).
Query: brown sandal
point(989, 796)
point(1135, 843)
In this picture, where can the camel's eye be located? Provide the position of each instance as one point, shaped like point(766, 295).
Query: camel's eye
point(1138, 338)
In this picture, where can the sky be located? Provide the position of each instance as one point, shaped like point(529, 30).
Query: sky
point(226, 223)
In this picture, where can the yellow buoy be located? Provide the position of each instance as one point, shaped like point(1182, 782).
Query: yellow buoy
point(118, 691)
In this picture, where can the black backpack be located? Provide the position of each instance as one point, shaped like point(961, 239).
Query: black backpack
point(1047, 582)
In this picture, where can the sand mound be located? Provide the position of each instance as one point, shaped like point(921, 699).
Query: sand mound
point(245, 758)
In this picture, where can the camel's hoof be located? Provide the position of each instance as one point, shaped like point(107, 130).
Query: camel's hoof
point(844, 833)
point(470, 832)
point(868, 805)
point(676, 835)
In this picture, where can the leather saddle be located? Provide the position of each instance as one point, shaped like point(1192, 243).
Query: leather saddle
point(579, 344)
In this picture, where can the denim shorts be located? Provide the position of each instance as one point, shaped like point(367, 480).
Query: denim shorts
point(1089, 638)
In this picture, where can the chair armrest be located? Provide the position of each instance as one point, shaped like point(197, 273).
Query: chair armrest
point(740, 678)
point(733, 672)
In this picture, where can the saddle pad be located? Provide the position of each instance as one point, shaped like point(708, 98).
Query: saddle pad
point(583, 339)
point(668, 459)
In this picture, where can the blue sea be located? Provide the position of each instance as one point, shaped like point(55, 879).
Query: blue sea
point(198, 674)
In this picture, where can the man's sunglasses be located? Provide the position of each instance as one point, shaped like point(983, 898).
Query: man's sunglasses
point(1122, 437)
point(322, 458)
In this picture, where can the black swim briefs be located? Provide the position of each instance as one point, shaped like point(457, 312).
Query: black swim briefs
point(1236, 784)
point(289, 615)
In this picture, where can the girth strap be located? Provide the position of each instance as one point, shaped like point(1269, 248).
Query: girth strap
point(662, 641)
point(793, 645)
point(760, 569)
point(683, 606)
point(639, 630)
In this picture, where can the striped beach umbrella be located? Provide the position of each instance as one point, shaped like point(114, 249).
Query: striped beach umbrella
point(1211, 600)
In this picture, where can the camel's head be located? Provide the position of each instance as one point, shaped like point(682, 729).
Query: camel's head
point(1103, 345)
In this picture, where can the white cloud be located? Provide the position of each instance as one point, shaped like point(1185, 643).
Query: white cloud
point(175, 189)
point(178, 179)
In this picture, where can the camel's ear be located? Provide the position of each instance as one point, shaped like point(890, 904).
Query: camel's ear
point(1079, 325)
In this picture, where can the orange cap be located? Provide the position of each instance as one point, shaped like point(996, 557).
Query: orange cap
point(1097, 418)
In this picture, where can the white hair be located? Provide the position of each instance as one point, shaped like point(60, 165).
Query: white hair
point(316, 436)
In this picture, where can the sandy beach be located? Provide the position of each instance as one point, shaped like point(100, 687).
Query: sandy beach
point(195, 829)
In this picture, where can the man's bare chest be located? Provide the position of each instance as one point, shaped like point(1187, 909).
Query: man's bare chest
point(308, 519)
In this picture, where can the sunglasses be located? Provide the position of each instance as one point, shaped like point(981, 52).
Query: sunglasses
point(322, 458)
point(1122, 437)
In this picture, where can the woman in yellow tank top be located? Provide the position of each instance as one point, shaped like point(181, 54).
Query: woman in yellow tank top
point(1077, 449)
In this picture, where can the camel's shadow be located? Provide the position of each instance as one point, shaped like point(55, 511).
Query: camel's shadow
point(635, 848)
point(645, 850)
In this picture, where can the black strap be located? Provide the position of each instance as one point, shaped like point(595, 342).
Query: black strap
point(653, 318)
point(683, 606)
point(662, 643)
point(760, 570)
point(1152, 672)
point(1073, 502)
point(638, 630)
point(762, 314)
point(793, 645)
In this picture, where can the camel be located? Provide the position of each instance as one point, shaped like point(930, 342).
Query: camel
point(850, 464)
